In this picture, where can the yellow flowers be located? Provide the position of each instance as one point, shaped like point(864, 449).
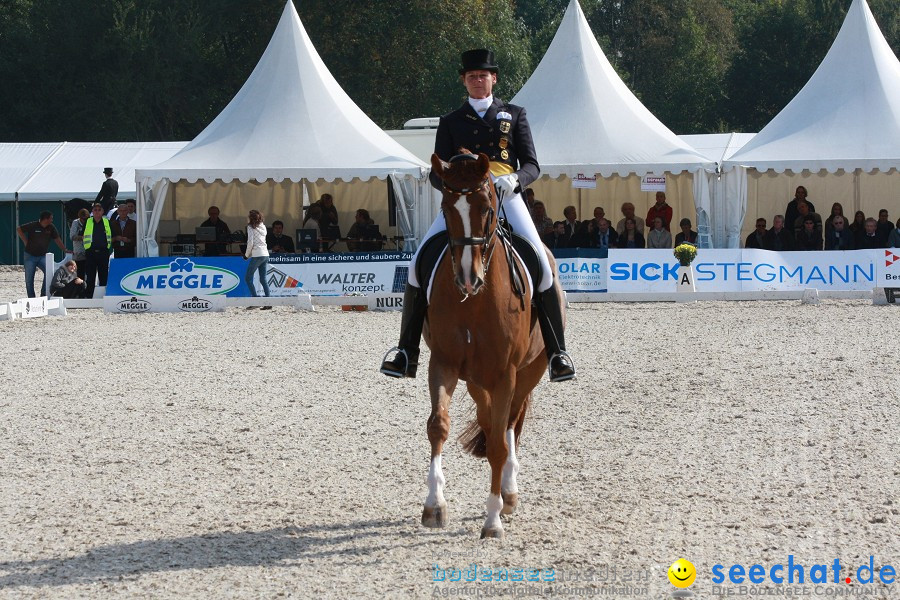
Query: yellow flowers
point(685, 253)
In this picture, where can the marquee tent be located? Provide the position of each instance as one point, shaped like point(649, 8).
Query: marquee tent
point(845, 119)
point(291, 122)
point(586, 121)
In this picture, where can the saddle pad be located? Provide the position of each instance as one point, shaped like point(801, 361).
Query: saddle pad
point(434, 250)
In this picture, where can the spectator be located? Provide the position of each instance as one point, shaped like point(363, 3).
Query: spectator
point(108, 191)
point(529, 199)
point(258, 254)
point(631, 237)
point(805, 211)
point(575, 231)
point(605, 237)
point(592, 226)
point(36, 236)
point(884, 226)
point(894, 237)
point(628, 211)
point(66, 283)
point(131, 210)
point(223, 233)
point(277, 242)
point(687, 235)
point(809, 238)
point(313, 216)
point(329, 214)
point(779, 238)
point(542, 222)
point(358, 233)
point(839, 237)
point(124, 234)
point(658, 236)
point(663, 211)
point(97, 248)
point(836, 209)
point(76, 234)
point(858, 226)
point(792, 211)
point(869, 239)
point(757, 239)
point(557, 239)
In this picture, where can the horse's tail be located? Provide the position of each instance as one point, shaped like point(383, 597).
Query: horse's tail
point(474, 440)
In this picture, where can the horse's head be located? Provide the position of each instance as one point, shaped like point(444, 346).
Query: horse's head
point(468, 206)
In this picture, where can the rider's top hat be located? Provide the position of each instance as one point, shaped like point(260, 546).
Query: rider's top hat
point(108, 170)
point(478, 60)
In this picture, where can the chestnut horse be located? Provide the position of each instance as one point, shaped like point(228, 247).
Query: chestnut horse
point(481, 332)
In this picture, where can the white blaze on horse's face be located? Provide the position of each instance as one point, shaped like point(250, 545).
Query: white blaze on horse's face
point(469, 275)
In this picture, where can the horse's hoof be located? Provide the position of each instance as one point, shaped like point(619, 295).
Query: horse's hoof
point(510, 501)
point(435, 516)
point(496, 533)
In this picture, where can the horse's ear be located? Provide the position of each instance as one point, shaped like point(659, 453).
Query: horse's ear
point(438, 166)
point(484, 163)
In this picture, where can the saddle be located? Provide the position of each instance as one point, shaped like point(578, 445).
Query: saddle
point(434, 250)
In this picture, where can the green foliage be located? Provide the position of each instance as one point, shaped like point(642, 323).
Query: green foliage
point(163, 69)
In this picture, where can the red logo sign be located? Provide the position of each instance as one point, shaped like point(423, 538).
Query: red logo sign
point(890, 258)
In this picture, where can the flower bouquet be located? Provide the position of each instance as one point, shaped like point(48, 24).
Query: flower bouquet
point(354, 307)
point(685, 253)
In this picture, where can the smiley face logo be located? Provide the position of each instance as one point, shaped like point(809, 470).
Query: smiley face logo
point(682, 573)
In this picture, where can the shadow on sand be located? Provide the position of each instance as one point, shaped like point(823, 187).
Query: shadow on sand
point(269, 547)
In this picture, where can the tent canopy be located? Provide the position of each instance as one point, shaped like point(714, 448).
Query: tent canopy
point(290, 120)
point(846, 117)
point(75, 169)
point(18, 162)
point(584, 119)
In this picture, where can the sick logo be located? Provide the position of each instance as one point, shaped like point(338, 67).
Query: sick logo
point(890, 258)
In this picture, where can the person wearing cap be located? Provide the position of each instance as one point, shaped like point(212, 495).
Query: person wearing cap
point(108, 191)
point(485, 124)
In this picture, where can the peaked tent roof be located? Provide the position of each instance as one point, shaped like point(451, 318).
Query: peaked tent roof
point(847, 116)
point(290, 120)
point(584, 119)
point(18, 162)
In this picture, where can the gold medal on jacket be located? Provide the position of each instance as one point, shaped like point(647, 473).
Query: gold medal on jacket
point(505, 155)
point(504, 126)
point(503, 143)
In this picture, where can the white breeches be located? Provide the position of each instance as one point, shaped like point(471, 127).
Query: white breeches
point(515, 211)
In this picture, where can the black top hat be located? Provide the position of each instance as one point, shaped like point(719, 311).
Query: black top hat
point(108, 170)
point(478, 60)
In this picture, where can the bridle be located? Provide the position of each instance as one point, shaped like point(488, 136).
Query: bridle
point(486, 242)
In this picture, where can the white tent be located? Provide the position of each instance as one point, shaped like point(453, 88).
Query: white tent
point(290, 122)
point(18, 162)
point(585, 120)
point(846, 118)
point(75, 169)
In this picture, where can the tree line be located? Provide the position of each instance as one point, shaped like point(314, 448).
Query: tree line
point(156, 70)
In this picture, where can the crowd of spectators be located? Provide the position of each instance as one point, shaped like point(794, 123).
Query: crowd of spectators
point(801, 228)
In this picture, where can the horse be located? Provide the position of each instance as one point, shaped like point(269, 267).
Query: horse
point(481, 332)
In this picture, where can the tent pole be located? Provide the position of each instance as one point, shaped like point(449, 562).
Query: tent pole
point(16, 223)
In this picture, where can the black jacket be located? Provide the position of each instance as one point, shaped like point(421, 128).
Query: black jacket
point(503, 125)
point(107, 195)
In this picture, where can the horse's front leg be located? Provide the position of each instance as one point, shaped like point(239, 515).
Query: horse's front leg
point(497, 455)
point(441, 383)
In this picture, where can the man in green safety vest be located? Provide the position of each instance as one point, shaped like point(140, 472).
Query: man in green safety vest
point(97, 245)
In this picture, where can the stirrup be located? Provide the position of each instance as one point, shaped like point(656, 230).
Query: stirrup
point(390, 368)
point(566, 376)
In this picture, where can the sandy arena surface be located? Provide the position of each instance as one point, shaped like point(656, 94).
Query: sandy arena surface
point(253, 454)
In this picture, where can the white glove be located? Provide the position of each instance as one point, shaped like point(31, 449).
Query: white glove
point(506, 185)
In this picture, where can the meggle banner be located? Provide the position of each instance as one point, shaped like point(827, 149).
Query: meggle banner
point(287, 275)
point(743, 270)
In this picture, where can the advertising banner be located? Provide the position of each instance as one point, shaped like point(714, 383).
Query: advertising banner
point(33, 307)
point(581, 270)
point(744, 270)
point(584, 182)
point(653, 183)
point(166, 303)
point(889, 269)
point(287, 275)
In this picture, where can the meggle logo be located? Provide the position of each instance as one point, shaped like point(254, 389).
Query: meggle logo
point(643, 271)
point(180, 274)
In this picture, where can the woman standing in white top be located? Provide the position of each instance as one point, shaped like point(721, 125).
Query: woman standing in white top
point(258, 253)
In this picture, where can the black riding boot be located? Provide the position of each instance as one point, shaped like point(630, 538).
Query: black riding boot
point(406, 361)
point(549, 314)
